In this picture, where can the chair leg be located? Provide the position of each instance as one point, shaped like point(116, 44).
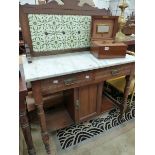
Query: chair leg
point(126, 92)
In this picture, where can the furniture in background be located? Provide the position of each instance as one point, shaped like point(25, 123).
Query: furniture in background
point(23, 114)
point(119, 84)
point(129, 31)
point(129, 28)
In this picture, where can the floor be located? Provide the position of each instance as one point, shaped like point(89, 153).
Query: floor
point(117, 141)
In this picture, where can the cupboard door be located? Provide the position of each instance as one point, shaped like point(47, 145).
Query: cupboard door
point(87, 98)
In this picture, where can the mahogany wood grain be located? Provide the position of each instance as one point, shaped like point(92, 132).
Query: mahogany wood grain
point(113, 72)
point(127, 89)
point(69, 102)
point(88, 102)
point(36, 90)
point(58, 118)
point(103, 45)
point(115, 51)
point(60, 83)
point(95, 76)
point(85, 96)
point(107, 104)
point(99, 97)
point(87, 92)
point(24, 122)
point(107, 20)
point(89, 98)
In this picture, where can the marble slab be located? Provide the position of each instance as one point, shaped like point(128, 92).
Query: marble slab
point(63, 64)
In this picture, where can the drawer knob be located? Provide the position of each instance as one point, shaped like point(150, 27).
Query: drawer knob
point(115, 72)
point(55, 81)
point(87, 77)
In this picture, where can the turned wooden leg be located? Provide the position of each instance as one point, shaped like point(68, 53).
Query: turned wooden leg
point(36, 89)
point(126, 92)
point(25, 126)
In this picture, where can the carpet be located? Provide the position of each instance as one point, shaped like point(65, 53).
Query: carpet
point(77, 133)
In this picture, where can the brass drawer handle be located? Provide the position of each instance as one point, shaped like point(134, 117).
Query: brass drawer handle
point(115, 72)
point(70, 81)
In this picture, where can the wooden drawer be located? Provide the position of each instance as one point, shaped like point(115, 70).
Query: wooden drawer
point(65, 82)
point(113, 72)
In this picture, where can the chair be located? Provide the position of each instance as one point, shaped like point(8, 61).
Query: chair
point(119, 83)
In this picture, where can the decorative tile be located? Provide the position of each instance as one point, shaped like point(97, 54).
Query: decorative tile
point(58, 32)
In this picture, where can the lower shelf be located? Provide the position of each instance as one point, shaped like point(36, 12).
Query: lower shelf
point(58, 118)
point(107, 104)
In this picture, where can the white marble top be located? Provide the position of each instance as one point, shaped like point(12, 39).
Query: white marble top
point(63, 64)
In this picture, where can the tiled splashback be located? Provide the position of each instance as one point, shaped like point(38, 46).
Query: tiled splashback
point(59, 32)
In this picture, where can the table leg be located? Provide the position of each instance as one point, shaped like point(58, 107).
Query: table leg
point(126, 92)
point(25, 126)
point(36, 89)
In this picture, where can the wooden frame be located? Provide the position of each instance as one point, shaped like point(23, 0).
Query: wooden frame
point(69, 8)
point(103, 19)
point(97, 28)
point(74, 100)
point(103, 45)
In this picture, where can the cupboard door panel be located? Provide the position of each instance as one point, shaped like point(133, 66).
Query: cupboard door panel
point(88, 101)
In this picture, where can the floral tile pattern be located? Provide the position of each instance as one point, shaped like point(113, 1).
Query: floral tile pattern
point(58, 32)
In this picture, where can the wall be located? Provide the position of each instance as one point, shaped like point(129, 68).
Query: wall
point(27, 1)
point(102, 3)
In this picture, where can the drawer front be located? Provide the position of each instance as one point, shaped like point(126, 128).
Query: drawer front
point(113, 72)
point(64, 82)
